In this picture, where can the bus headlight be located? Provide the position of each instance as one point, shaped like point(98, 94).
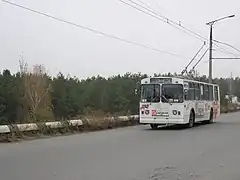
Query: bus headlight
point(147, 112)
point(174, 112)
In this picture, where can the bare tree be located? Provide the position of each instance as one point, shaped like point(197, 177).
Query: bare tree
point(22, 112)
point(36, 88)
point(23, 66)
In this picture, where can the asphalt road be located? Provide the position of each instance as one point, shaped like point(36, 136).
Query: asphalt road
point(206, 152)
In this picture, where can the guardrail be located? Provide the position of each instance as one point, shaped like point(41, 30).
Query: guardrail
point(14, 132)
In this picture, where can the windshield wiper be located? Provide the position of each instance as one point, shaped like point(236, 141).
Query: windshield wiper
point(166, 99)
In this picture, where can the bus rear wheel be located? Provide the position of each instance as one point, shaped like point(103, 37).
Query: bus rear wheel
point(210, 121)
point(154, 126)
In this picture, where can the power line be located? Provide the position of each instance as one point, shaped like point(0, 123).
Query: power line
point(148, 6)
point(165, 19)
point(93, 30)
point(179, 23)
point(227, 45)
point(227, 58)
point(126, 3)
point(169, 21)
point(159, 7)
point(225, 51)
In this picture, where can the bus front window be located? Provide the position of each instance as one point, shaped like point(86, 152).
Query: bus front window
point(172, 93)
point(150, 93)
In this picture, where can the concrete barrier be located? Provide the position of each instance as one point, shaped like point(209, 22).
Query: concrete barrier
point(54, 125)
point(27, 127)
point(15, 129)
point(123, 118)
point(75, 122)
point(4, 129)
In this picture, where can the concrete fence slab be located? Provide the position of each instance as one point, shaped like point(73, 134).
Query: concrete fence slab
point(123, 118)
point(4, 129)
point(135, 117)
point(27, 127)
point(109, 118)
point(54, 125)
point(75, 122)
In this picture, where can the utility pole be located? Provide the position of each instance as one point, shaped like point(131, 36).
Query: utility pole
point(210, 53)
point(230, 88)
point(211, 43)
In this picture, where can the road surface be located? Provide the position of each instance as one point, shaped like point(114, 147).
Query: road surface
point(206, 152)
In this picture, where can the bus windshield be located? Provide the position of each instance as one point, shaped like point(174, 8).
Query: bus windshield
point(150, 93)
point(172, 93)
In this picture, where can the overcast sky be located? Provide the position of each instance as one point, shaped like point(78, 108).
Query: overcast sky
point(74, 51)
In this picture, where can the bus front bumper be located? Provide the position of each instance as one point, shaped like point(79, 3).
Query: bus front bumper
point(162, 121)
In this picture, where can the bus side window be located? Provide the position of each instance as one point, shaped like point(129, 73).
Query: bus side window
point(206, 92)
point(211, 93)
point(216, 93)
point(191, 91)
point(197, 92)
point(202, 92)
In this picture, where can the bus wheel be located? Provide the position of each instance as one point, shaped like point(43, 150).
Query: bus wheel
point(191, 120)
point(210, 121)
point(154, 126)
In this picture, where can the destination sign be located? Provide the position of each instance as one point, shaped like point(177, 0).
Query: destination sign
point(161, 80)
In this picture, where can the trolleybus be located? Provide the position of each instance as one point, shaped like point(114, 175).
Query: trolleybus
point(170, 100)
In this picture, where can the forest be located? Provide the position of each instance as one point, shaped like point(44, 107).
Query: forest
point(33, 96)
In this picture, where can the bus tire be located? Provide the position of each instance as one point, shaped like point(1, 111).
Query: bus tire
point(210, 121)
point(154, 126)
point(191, 119)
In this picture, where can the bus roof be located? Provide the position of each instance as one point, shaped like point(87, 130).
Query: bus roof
point(174, 79)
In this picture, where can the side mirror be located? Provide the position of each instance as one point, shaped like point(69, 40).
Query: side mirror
point(136, 91)
point(185, 94)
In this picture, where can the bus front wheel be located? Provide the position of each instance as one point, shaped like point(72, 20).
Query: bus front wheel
point(154, 126)
point(191, 120)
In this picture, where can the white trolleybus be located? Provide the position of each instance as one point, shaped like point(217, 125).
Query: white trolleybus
point(170, 100)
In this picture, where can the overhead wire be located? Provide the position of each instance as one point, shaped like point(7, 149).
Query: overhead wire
point(162, 18)
point(220, 42)
point(93, 30)
point(223, 49)
point(175, 24)
point(167, 20)
point(226, 52)
point(132, 6)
